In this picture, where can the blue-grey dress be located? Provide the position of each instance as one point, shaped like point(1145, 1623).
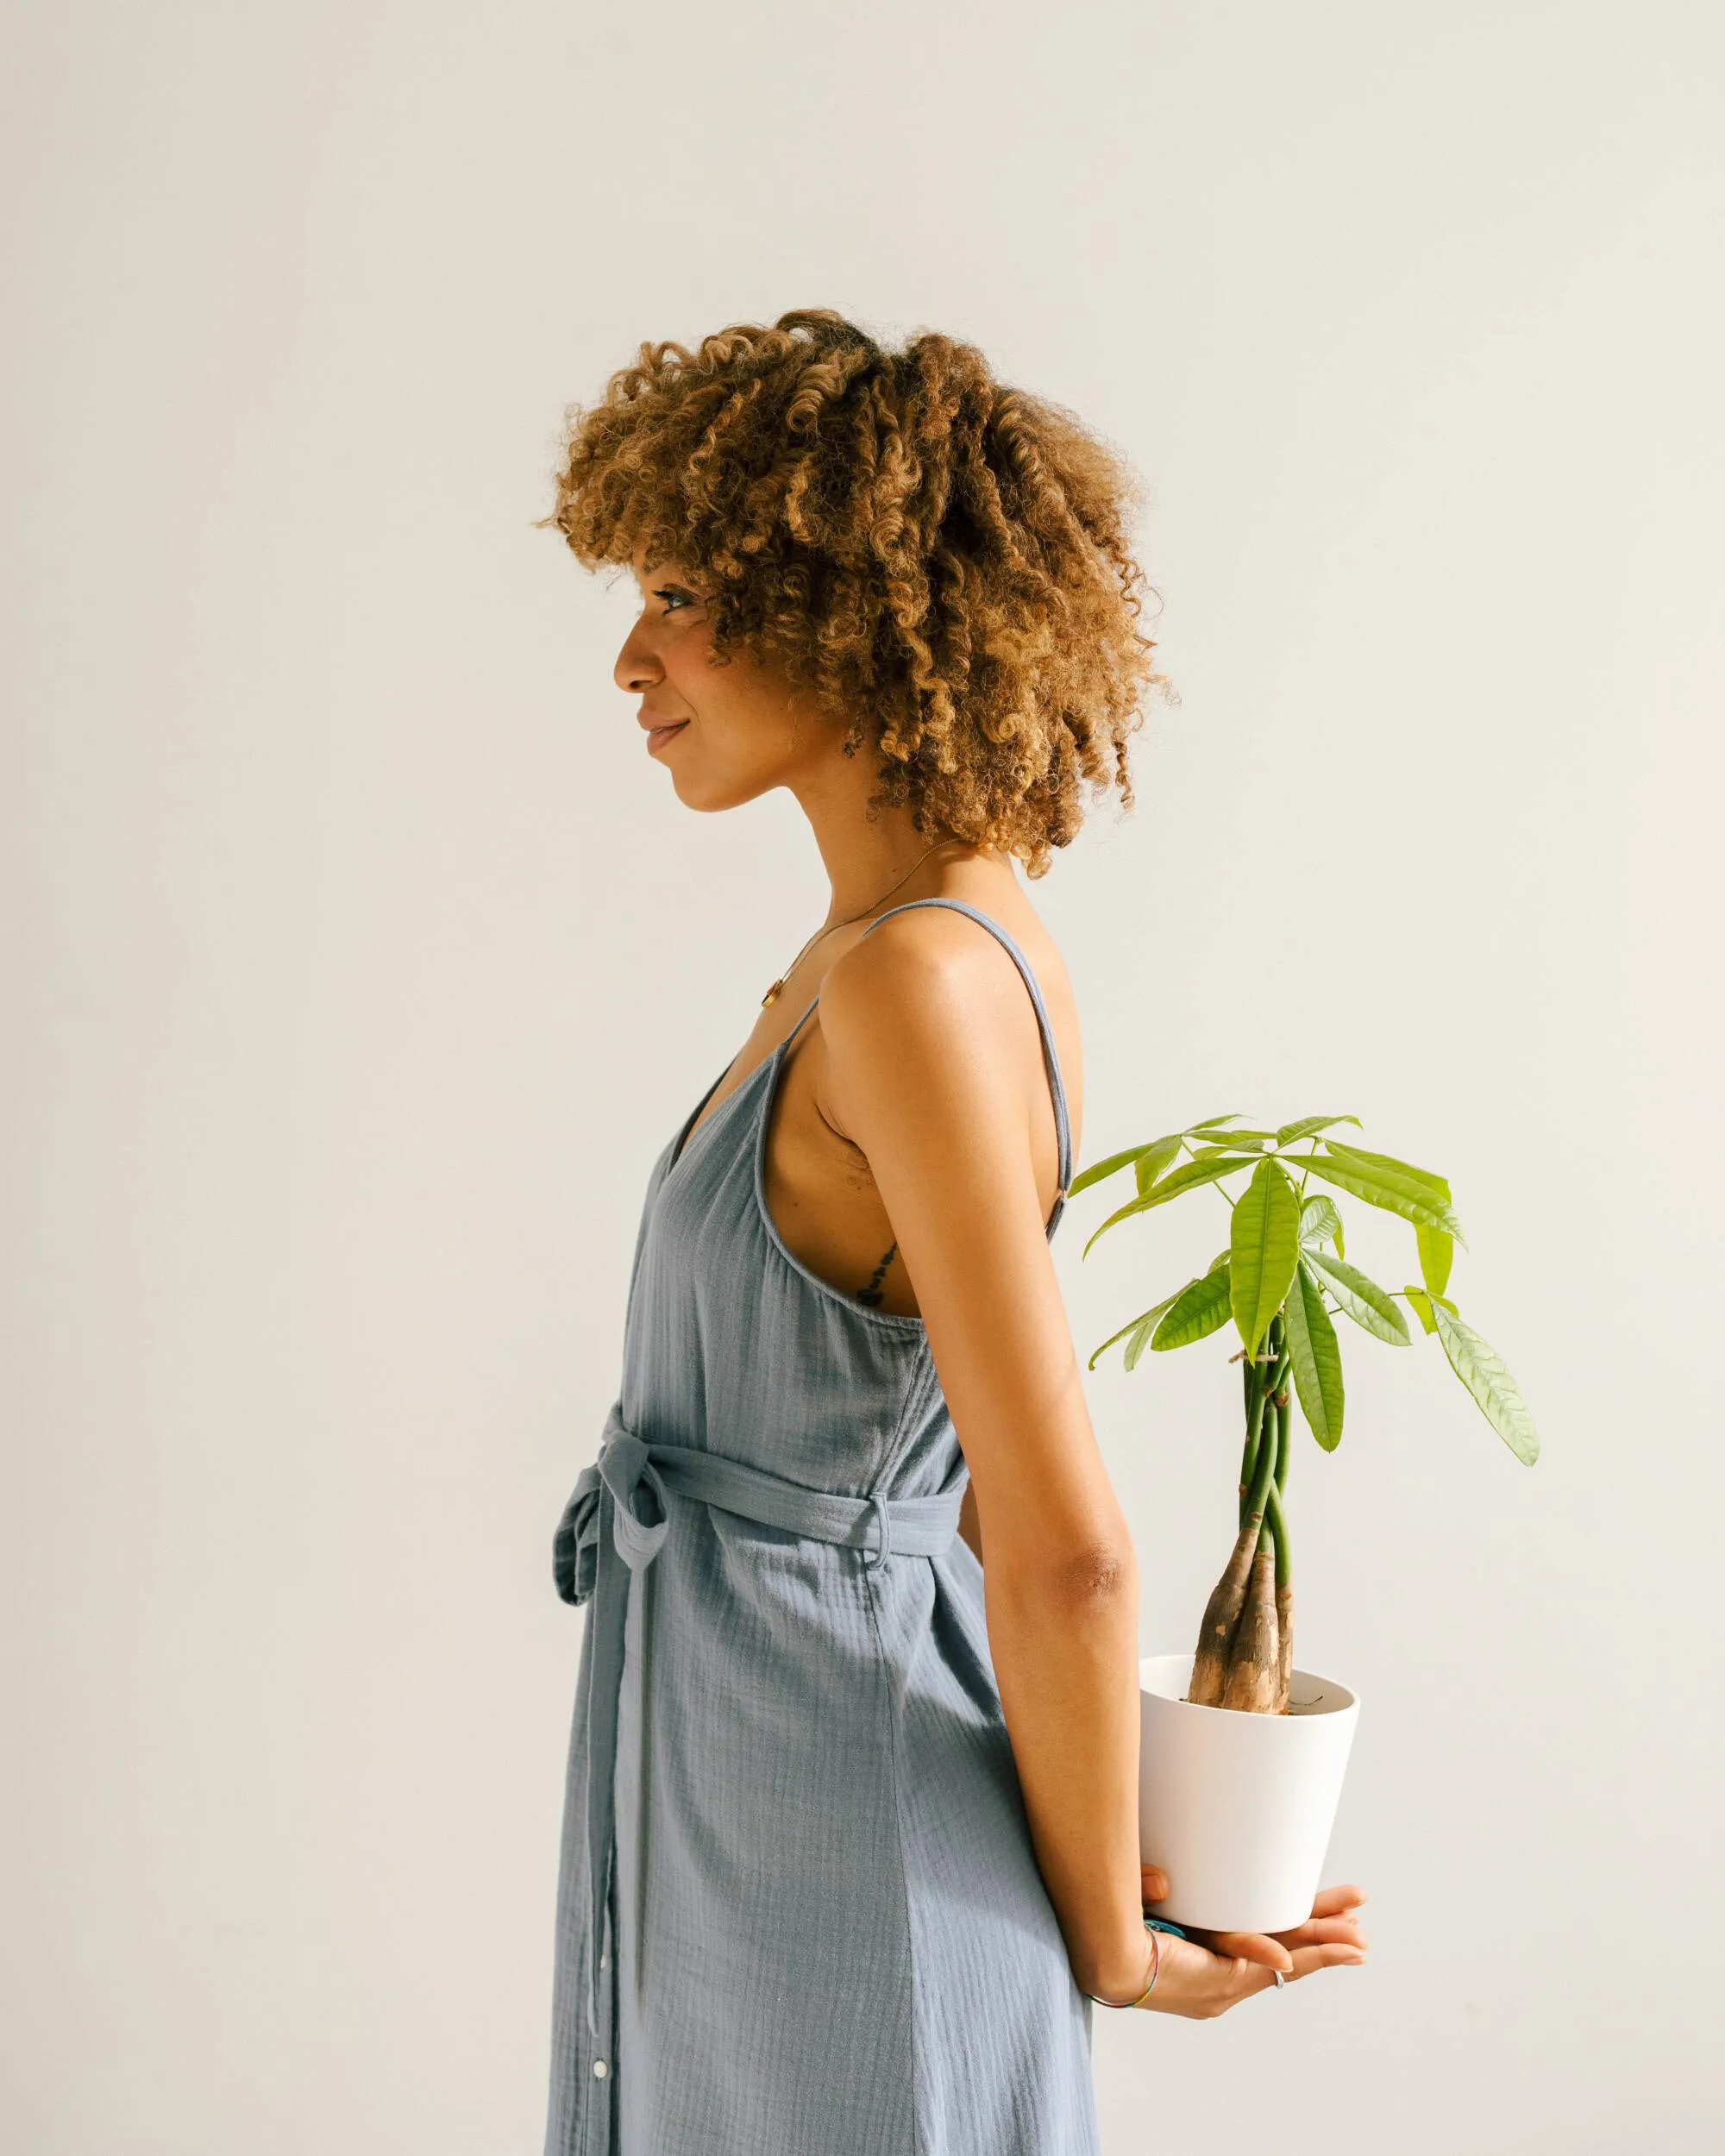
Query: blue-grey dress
point(798, 1911)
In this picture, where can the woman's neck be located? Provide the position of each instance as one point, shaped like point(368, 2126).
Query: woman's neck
point(865, 857)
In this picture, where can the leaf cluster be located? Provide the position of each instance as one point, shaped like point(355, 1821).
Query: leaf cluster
point(1286, 1254)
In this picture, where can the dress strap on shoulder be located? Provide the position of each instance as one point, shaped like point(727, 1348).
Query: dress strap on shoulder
point(809, 1009)
point(1050, 1055)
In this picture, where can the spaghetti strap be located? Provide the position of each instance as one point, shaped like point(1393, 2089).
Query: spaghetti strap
point(1050, 1055)
point(808, 1012)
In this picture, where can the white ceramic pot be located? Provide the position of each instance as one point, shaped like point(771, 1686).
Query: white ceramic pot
point(1236, 1808)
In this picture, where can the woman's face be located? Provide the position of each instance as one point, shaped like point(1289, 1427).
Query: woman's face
point(726, 734)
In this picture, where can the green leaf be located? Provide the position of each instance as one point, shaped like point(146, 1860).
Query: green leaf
point(1152, 1161)
point(1128, 1326)
point(1387, 1189)
point(1183, 1179)
point(1316, 1357)
point(1436, 1251)
point(1263, 1249)
point(1291, 1133)
point(1422, 1302)
point(1318, 1220)
point(1144, 1319)
point(1364, 1301)
point(1210, 1123)
point(1439, 1183)
point(1103, 1168)
point(1198, 1309)
point(1481, 1370)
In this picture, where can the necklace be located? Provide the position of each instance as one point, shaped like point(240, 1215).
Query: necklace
point(773, 993)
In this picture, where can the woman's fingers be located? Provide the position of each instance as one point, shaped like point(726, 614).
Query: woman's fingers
point(1322, 1930)
point(1337, 1954)
point(1236, 1965)
point(1306, 1961)
point(1253, 1946)
point(1200, 1981)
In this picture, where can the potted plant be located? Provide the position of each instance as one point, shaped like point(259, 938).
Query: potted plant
point(1243, 1754)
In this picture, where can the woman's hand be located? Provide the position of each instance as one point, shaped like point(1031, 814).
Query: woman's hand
point(1207, 1973)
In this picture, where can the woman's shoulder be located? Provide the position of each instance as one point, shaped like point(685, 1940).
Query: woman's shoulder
point(935, 979)
point(915, 947)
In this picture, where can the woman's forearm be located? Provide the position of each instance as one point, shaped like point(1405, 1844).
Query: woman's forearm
point(1064, 1647)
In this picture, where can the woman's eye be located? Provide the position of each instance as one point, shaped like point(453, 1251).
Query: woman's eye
point(670, 593)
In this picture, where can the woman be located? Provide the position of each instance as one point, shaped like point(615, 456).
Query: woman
point(851, 1836)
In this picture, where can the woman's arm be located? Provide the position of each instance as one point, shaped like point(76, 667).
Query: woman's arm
point(933, 1067)
point(969, 1525)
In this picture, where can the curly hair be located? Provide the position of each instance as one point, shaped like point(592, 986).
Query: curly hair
point(942, 559)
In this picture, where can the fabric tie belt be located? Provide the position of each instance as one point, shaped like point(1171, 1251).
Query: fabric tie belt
point(601, 1523)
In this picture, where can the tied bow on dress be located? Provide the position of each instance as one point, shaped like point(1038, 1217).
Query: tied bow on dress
point(620, 1510)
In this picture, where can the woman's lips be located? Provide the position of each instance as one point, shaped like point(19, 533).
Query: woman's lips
point(658, 735)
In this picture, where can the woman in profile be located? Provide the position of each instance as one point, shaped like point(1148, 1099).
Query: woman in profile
point(851, 1834)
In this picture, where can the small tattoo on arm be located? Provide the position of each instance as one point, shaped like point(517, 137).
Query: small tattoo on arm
point(870, 1295)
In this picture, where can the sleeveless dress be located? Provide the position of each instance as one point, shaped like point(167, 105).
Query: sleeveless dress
point(798, 1913)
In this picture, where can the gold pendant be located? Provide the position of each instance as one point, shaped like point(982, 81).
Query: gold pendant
point(772, 995)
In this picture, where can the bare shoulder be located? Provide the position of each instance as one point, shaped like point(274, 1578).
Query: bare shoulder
point(931, 997)
point(932, 966)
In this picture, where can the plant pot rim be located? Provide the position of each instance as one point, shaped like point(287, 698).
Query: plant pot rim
point(1348, 1701)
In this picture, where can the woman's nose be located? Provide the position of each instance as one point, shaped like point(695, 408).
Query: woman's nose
point(637, 669)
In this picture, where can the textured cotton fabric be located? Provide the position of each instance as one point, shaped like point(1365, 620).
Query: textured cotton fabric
point(790, 1796)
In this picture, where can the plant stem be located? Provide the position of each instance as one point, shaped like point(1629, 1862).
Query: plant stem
point(1253, 1673)
point(1255, 1397)
point(1221, 1619)
point(1263, 1472)
point(1217, 1642)
point(1250, 1679)
point(1275, 1521)
point(1278, 1527)
point(1262, 1385)
point(1276, 1516)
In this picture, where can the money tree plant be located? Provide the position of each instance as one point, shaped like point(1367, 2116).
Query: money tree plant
point(1282, 1276)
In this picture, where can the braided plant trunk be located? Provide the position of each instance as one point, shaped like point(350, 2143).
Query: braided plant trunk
point(1245, 1643)
point(1281, 1280)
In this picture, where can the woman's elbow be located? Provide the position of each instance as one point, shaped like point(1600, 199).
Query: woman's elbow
point(1088, 1578)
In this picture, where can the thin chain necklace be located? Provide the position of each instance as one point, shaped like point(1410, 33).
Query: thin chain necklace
point(773, 993)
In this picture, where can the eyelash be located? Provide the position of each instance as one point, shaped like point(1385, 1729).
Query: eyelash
point(671, 592)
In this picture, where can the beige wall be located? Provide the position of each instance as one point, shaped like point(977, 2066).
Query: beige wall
point(363, 964)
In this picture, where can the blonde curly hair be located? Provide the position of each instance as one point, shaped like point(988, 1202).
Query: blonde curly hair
point(941, 558)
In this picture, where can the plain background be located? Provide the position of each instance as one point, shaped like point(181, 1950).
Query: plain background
point(360, 963)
